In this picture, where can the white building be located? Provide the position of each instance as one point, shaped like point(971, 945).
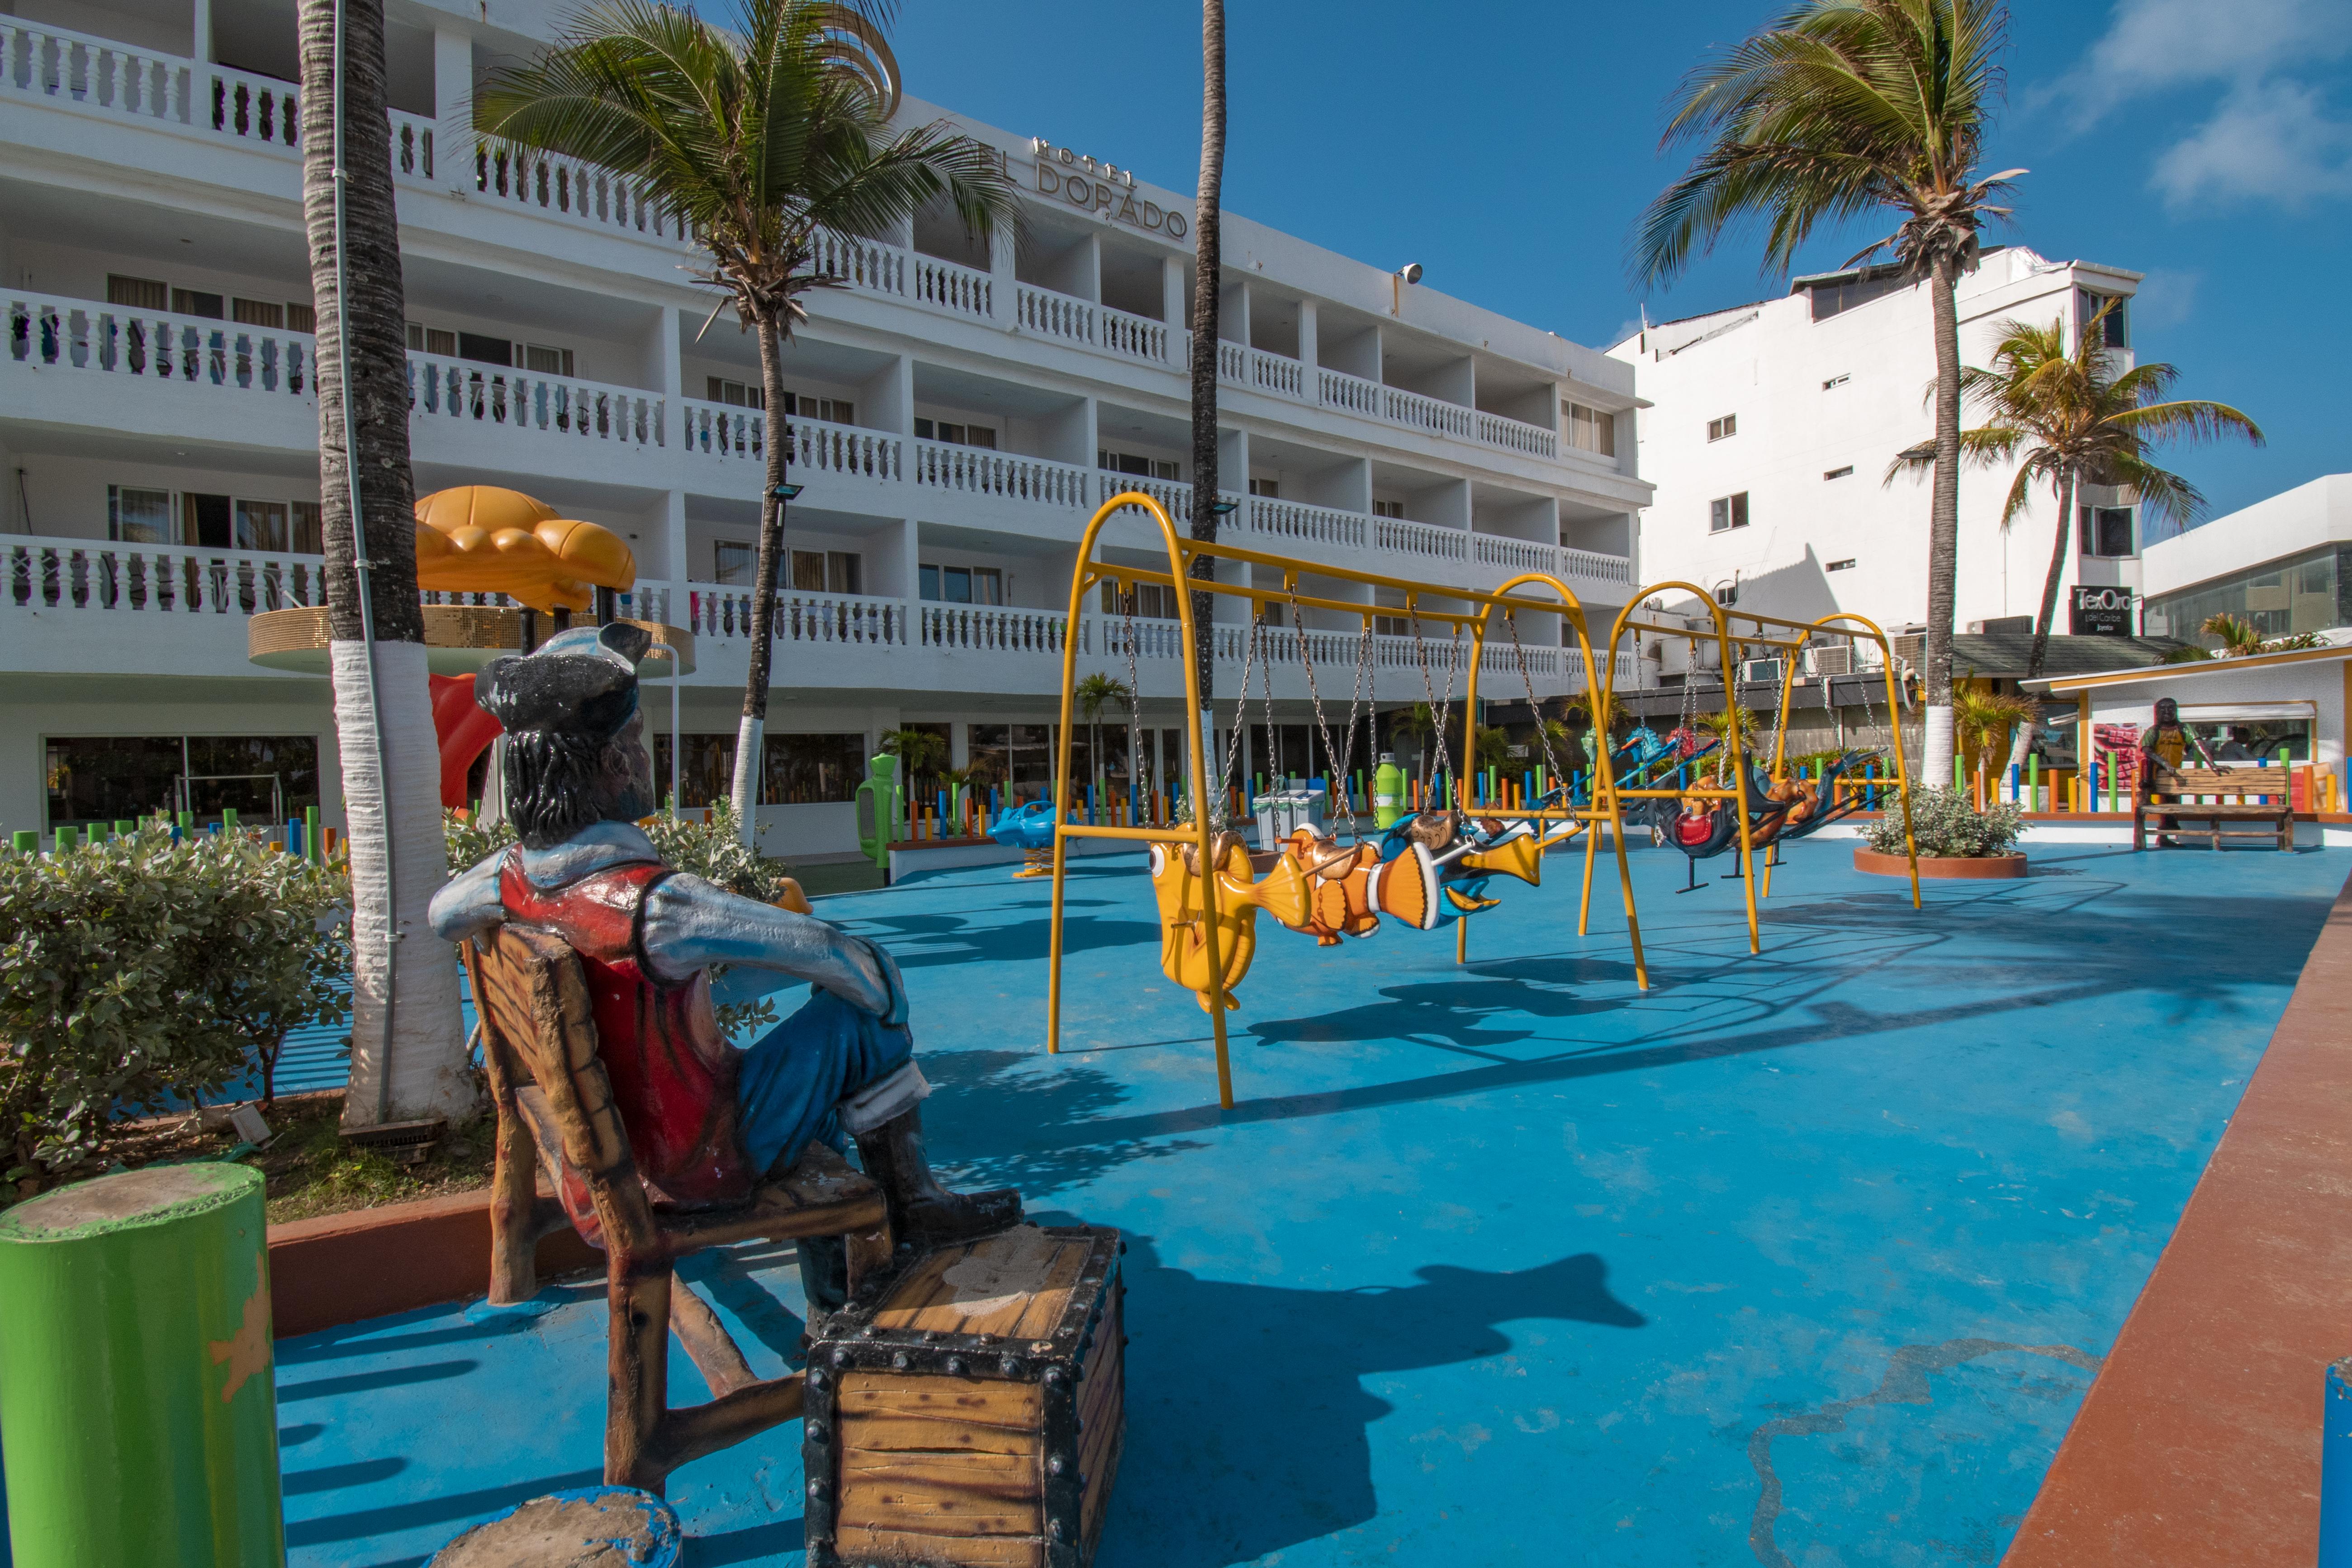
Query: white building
point(1769, 429)
point(958, 411)
point(2281, 564)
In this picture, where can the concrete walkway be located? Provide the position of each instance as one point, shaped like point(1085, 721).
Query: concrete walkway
point(1799, 1259)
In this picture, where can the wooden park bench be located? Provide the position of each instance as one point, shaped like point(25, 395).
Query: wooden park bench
point(2228, 797)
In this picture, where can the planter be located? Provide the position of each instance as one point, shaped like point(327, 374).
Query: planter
point(1942, 867)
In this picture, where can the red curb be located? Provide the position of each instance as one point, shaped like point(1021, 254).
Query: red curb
point(1941, 867)
point(2199, 1441)
point(343, 1267)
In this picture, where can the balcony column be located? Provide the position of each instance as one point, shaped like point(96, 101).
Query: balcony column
point(906, 581)
point(678, 569)
point(894, 405)
point(664, 367)
point(1002, 281)
point(1309, 343)
point(1175, 306)
point(453, 91)
point(1087, 284)
point(1233, 312)
point(202, 42)
point(1352, 489)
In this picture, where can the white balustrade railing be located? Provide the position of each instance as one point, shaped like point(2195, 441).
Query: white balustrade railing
point(1177, 498)
point(1337, 389)
point(1416, 412)
point(96, 73)
point(1261, 370)
point(648, 602)
point(249, 108)
point(1421, 541)
point(1514, 555)
point(567, 188)
point(1152, 637)
point(445, 389)
point(981, 628)
point(951, 288)
point(821, 447)
point(719, 612)
point(978, 471)
point(1136, 337)
point(1591, 563)
point(1517, 436)
point(154, 579)
point(1295, 522)
point(860, 263)
point(725, 430)
point(1047, 314)
point(46, 332)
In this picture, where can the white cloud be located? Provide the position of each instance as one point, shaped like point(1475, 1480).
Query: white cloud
point(2269, 137)
point(2271, 141)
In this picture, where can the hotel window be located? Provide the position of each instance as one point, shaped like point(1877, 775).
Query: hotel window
point(483, 348)
point(257, 313)
point(2107, 530)
point(1389, 508)
point(261, 525)
point(1845, 565)
point(835, 411)
point(955, 434)
point(1844, 473)
point(1130, 463)
point(706, 768)
point(1270, 488)
point(1833, 383)
point(1726, 513)
point(423, 340)
point(1589, 429)
point(309, 529)
point(541, 360)
point(139, 516)
point(139, 293)
point(205, 521)
point(1153, 601)
point(2115, 333)
point(300, 318)
point(1716, 429)
point(734, 394)
point(733, 562)
point(107, 778)
point(962, 584)
point(828, 572)
point(1017, 759)
point(196, 302)
point(812, 770)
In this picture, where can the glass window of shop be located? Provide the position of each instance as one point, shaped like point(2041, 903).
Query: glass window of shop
point(2306, 593)
point(1015, 760)
point(811, 770)
point(265, 779)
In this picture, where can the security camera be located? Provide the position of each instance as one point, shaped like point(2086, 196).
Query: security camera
point(1409, 272)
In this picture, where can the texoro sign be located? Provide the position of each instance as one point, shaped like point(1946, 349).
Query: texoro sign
point(1092, 186)
point(2100, 612)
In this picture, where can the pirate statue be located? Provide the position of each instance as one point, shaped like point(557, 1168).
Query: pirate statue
point(705, 1122)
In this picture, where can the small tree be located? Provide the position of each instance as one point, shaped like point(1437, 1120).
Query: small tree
point(920, 752)
point(2236, 634)
point(139, 970)
point(1984, 720)
point(1093, 693)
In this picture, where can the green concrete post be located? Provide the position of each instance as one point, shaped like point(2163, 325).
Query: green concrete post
point(228, 819)
point(138, 1410)
point(310, 847)
point(68, 838)
point(26, 841)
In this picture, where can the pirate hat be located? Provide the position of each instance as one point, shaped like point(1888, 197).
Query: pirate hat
point(582, 680)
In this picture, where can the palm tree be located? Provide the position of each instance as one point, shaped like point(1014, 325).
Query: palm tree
point(408, 1050)
point(763, 136)
point(1208, 279)
point(1983, 720)
point(2076, 422)
point(1093, 693)
point(1841, 108)
point(2236, 634)
point(918, 752)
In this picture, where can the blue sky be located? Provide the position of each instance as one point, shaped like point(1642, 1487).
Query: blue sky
point(2205, 143)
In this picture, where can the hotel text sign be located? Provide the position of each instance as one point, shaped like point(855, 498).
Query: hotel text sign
point(1093, 186)
point(2100, 612)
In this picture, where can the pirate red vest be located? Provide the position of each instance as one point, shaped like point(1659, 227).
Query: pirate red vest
point(673, 1074)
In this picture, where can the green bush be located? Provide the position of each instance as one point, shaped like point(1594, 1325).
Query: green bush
point(138, 969)
point(1945, 824)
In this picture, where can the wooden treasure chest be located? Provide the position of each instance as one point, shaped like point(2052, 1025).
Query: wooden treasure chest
point(968, 1407)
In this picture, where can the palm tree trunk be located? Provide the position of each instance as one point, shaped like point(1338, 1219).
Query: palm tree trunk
point(1208, 279)
point(2057, 570)
point(750, 734)
point(408, 1049)
point(1943, 530)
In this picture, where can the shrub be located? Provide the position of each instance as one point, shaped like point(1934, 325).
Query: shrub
point(138, 969)
point(1945, 824)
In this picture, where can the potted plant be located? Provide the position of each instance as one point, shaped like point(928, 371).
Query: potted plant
point(1953, 840)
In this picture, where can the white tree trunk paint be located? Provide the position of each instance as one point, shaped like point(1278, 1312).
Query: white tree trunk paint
point(745, 795)
point(1935, 764)
point(429, 1071)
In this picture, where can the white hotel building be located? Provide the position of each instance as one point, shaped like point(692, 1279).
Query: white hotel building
point(1770, 426)
point(958, 412)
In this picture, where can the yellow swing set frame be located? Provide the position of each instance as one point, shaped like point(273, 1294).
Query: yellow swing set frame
point(1790, 637)
point(1183, 553)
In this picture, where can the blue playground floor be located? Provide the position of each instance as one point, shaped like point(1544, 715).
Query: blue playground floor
point(1800, 1259)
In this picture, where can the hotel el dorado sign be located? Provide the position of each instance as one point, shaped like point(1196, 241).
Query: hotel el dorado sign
point(1091, 185)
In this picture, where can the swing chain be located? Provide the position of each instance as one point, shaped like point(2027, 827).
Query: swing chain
point(1323, 723)
point(1443, 758)
point(1233, 737)
point(1134, 701)
point(1527, 679)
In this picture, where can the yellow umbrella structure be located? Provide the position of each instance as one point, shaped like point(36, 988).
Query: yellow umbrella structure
point(480, 539)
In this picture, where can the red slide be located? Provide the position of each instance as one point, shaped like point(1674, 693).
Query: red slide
point(463, 728)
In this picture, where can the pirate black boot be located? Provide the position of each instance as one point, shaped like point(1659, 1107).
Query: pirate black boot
point(923, 1213)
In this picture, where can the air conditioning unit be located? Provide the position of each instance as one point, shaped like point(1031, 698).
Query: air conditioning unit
point(1757, 672)
point(1835, 660)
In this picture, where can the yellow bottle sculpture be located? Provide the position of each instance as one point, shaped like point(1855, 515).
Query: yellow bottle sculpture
point(1176, 884)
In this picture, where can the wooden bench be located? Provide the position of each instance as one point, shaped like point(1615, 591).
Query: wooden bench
point(2171, 796)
